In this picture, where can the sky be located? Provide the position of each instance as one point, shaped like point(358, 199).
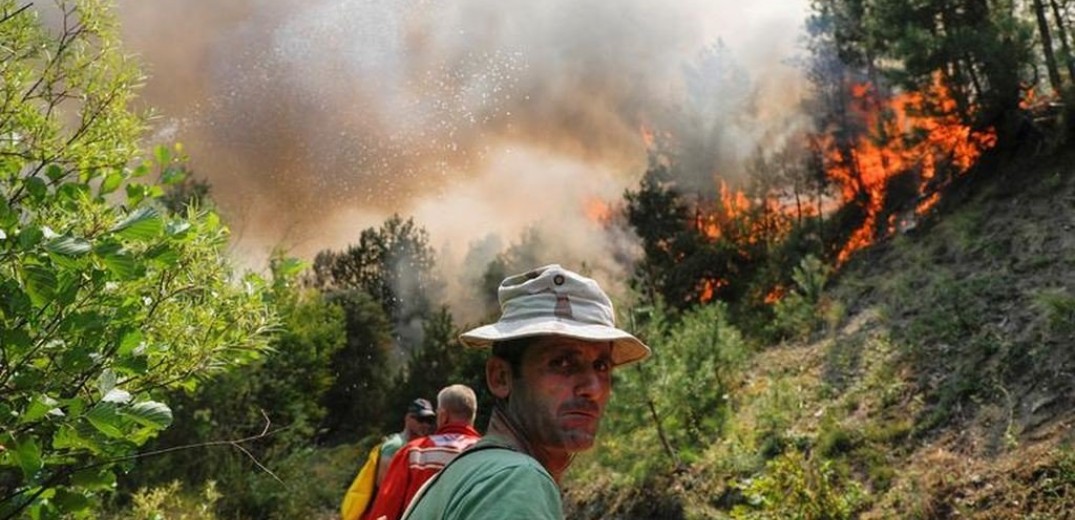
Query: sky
point(315, 119)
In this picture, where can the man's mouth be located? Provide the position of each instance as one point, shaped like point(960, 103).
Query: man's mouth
point(585, 410)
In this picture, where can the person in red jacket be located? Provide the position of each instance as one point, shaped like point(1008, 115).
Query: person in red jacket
point(420, 459)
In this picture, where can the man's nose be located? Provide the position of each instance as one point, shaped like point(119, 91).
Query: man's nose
point(591, 383)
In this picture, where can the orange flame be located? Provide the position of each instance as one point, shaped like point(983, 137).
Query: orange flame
point(708, 288)
point(647, 136)
point(899, 139)
point(771, 218)
point(775, 295)
point(597, 210)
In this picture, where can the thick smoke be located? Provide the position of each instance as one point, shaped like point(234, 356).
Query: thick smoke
point(314, 119)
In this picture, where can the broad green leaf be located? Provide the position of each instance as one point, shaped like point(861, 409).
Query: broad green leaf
point(150, 413)
point(40, 284)
point(70, 502)
point(69, 246)
point(54, 172)
point(130, 340)
point(76, 357)
point(94, 479)
point(69, 285)
point(106, 381)
point(140, 171)
point(36, 187)
point(121, 265)
point(134, 365)
point(28, 456)
point(74, 405)
point(41, 406)
point(15, 302)
point(105, 419)
point(111, 182)
point(163, 254)
point(15, 340)
point(65, 264)
point(30, 237)
point(140, 435)
point(136, 193)
point(69, 437)
point(143, 224)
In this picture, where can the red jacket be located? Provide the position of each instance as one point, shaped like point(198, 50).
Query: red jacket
point(414, 464)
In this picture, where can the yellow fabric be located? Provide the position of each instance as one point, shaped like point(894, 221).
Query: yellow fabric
point(360, 494)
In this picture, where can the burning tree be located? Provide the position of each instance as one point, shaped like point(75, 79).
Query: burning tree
point(903, 104)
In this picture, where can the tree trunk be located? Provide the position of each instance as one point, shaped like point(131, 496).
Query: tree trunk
point(1047, 45)
point(1062, 33)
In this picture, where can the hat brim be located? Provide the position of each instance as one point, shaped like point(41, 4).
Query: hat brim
point(625, 347)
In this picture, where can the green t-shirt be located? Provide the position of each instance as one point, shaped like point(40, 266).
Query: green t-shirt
point(391, 445)
point(491, 483)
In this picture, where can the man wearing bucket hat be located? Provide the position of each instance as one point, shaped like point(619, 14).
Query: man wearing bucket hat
point(550, 373)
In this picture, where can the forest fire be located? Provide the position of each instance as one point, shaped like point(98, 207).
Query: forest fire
point(707, 288)
point(766, 217)
point(914, 132)
point(597, 210)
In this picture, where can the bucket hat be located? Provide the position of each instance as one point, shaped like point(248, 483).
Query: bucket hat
point(551, 300)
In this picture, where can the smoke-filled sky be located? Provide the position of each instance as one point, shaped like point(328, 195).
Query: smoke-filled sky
point(315, 119)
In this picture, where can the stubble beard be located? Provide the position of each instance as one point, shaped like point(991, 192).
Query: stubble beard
point(543, 429)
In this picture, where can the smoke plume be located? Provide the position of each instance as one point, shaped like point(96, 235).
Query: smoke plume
point(314, 119)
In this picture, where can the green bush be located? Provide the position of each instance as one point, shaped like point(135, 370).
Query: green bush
point(312, 483)
point(667, 411)
point(798, 314)
point(171, 502)
point(795, 486)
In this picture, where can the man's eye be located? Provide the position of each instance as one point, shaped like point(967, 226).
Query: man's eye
point(602, 365)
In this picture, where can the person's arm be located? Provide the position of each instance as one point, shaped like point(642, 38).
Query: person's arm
point(382, 468)
point(389, 503)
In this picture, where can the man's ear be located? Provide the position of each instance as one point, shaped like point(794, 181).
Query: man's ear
point(498, 377)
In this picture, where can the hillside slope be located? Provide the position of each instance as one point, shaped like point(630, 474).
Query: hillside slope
point(979, 309)
point(942, 385)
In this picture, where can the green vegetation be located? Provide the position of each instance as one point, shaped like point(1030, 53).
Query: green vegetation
point(103, 305)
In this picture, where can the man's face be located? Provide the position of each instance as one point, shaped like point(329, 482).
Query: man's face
point(561, 392)
point(419, 426)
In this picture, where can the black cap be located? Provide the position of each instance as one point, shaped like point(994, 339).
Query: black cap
point(421, 408)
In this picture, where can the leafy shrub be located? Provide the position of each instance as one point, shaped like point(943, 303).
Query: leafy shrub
point(795, 486)
point(171, 502)
point(797, 314)
point(1058, 308)
point(105, 299)
point(668, 410)
point(312, 482)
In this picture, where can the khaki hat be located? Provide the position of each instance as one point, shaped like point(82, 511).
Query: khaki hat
point(551, 300)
